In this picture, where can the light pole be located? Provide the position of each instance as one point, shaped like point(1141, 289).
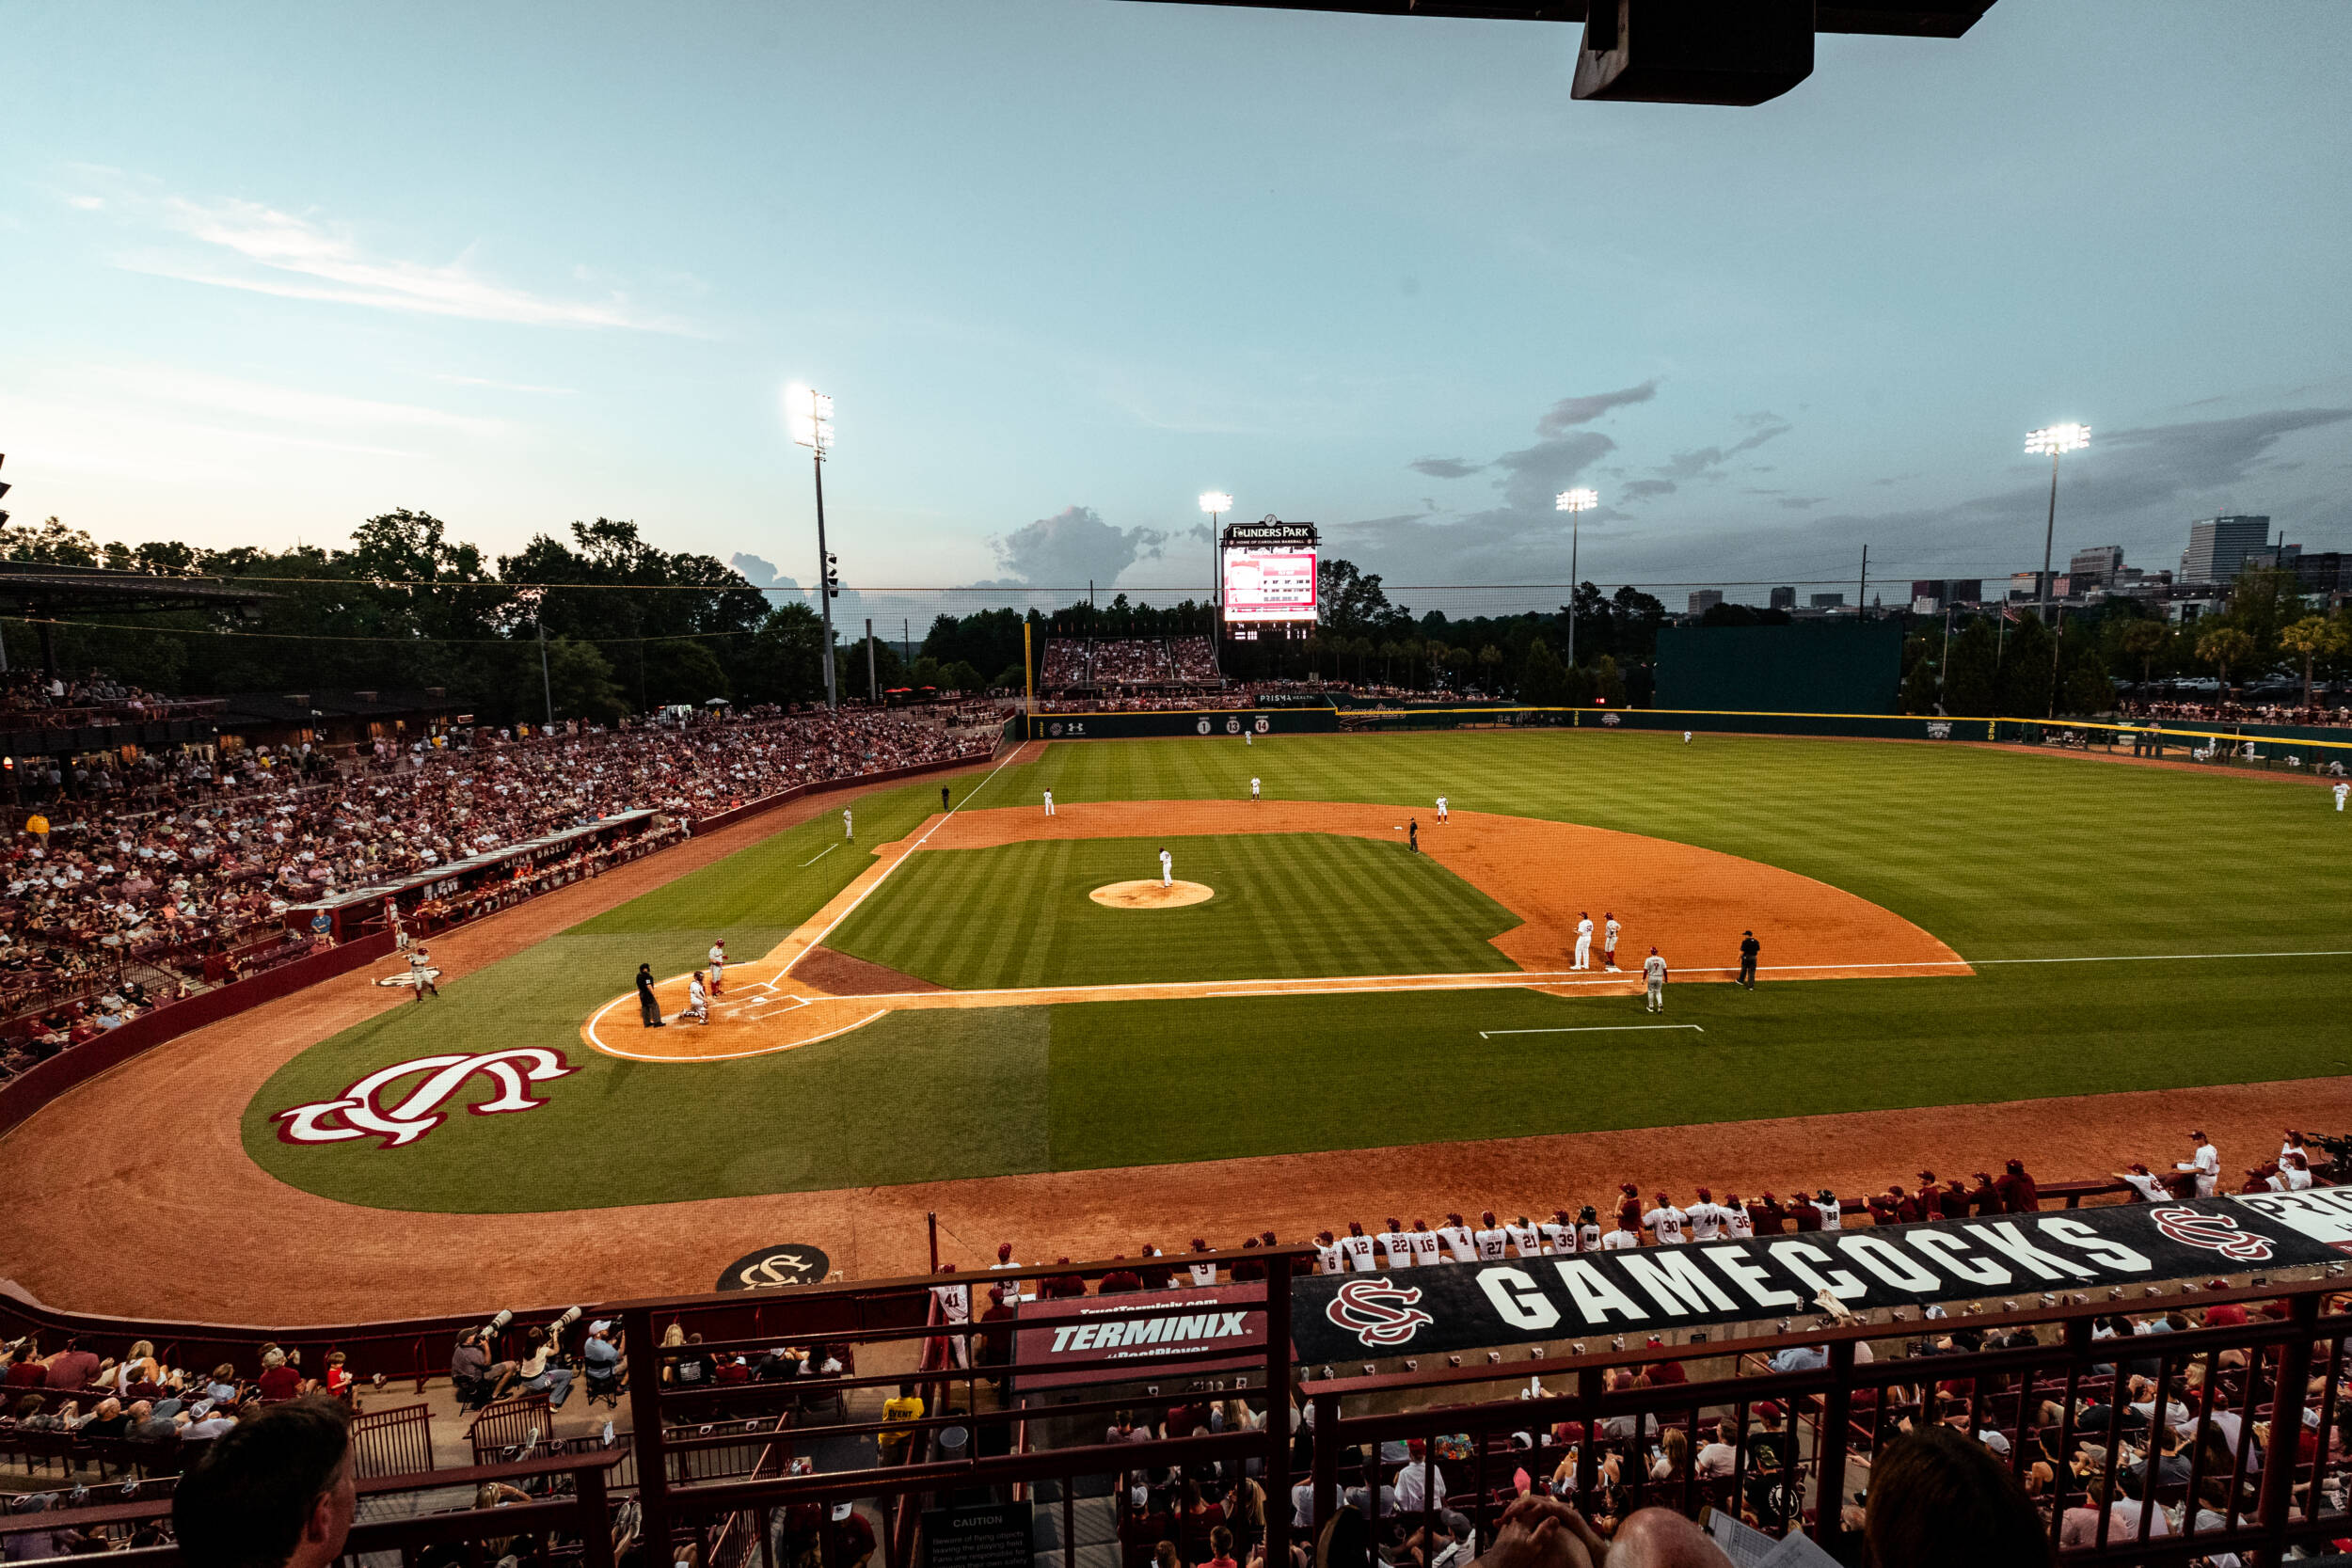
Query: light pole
point(1216, 503)
point(1575, 503)
point(2058, 440)
point(811, 413)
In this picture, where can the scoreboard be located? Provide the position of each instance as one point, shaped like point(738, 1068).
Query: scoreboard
point(1267, 572)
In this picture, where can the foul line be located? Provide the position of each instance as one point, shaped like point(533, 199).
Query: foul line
point(1592, 1029)
point(821, 854)
point(818, 938)
point(733, 1055)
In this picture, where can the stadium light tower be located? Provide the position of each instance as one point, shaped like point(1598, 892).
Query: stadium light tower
point(2058, 440)
point(1575, 503)
point(810, 414)
point(1216, 503)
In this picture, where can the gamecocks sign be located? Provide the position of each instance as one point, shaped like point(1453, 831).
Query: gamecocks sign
point(358, 1112)
point(1466, 1306)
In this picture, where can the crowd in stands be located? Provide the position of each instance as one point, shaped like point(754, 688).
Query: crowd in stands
point(2234, 713)
point(31, 700)
point(1192, 658)
point(1126, 662)
point(170, 873)
point(70, 1391)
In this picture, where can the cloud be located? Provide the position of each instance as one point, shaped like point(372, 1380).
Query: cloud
point(1070, 549)
point(506, 386)
point(1641, 488)
point(759, 572)
point(1708, 461)
point(87, 203)
point(262, 250)
point(220, 394)
point(1445, 468)
point(1535, 475)
point(1570, 412)
point(1802, 503)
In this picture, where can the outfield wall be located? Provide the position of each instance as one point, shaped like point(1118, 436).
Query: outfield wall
point(1218, 723)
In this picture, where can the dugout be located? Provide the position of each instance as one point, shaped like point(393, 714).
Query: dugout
point(1805, 667)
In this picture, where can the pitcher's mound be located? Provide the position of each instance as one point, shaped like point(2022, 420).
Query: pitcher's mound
point(1149, 895)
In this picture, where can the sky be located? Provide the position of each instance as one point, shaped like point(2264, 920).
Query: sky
point(269, 269)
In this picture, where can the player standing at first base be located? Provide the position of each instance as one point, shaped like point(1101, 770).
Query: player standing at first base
point(1441, 817)
point(719, 967)
point(1168, 869)
point(1609, 930)
point(1584, 940)
point(1654, 974)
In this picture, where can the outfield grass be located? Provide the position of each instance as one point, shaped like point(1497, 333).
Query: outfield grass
point(2006, 857)
point(1287, 906)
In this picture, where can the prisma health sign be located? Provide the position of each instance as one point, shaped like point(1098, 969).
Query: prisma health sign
point(1267, 570)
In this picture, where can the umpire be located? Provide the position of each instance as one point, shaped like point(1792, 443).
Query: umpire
point(1749, 949)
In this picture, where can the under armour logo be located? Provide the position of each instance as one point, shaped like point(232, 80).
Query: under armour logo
point(356, 1113)
point(2214, 1232)
point(1376, 1312)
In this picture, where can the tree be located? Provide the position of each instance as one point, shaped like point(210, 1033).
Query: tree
point(2026, 669)
point(2223, 645)
point(2308, 640)
point(1918, 694)
point(1543, 680)
point(582, 679)
point(2088, 688)
point(1490, 666)
point(1352, 600)
point(1970, 685)
point(1609, 681)
point(2144, 642)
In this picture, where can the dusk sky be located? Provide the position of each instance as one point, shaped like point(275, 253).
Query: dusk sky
point(268, 269)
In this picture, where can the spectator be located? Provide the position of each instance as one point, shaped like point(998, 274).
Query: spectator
point(280, 1380)
point(72, 1367)
point(277, 1492)
point(1940, 1500)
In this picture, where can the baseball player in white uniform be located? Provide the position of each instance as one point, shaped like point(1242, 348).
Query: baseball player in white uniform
point(1442, 803)
point(698, 998)
point(848, 828)
point(400, 931)
point(421, 973)
point(1492, 1239)
point(1329, 1256)
point(2340, 792)
point(1584, 940)
point(1460, 1243)
point(1253, 788)
point(1707, 1217)
point(1526, 1240)
point(1620, 1240)
point(1609, 930)
point(1588, 1229)
point(1204, 1269)
point(719, 968)
point(1168, 869)
point(1654, 976)
point(1357, 1247)
point(1425, 1245)
point(1393, 1246)
point(2205, 1160)
point(1738, 1223)
point(1049, 803)
point(1686, 737)
point(1666, 1223)
point(1558, 1233)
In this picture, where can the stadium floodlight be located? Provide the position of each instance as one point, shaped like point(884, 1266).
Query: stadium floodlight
point(2058, 440)
point(1216, 503)
point(1575, 503)
point(809, 413)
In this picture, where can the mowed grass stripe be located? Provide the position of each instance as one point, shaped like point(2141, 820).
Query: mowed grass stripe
point(1287, 906)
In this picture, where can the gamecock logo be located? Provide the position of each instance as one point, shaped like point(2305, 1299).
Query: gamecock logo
point(1376, 1312)
point(1939, 731)
point(356, 1114)
point(2214, 1232)
point(1610, 720)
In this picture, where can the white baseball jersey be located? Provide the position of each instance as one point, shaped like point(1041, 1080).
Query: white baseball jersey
point(2207, 1164)
point(955, 1303)
point(847, 827)
point(1394, 1246)
point(1253, 789)
point(2340, 792)
point(1833, 1214)
point(1588, 1237)
point(1706, 1220)
point(1666, 1224)
point(1491, 1245)
point(1167, 863)
point(1558, 1239)
point(1585, 929)
point(1204, 1273)
point(1358, 1250)
point(1526, 1240)
point(1654, 969)
point(2296, 1180)
point(2147, 1186)
point(1459, 1242)
point(1609, 934)
point(695, 997)
point(1442, 801)
point(1620, 1240)
point(1736, 1223)
point(1424, 1244)
point(1049, 803)
point(1331, 1259)
point(718, 956)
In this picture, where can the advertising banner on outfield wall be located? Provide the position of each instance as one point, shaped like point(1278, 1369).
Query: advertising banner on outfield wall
point(1470, 1307)
point(1060, 1342)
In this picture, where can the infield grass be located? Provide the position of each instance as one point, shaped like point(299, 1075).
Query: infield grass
point(2003, 856)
